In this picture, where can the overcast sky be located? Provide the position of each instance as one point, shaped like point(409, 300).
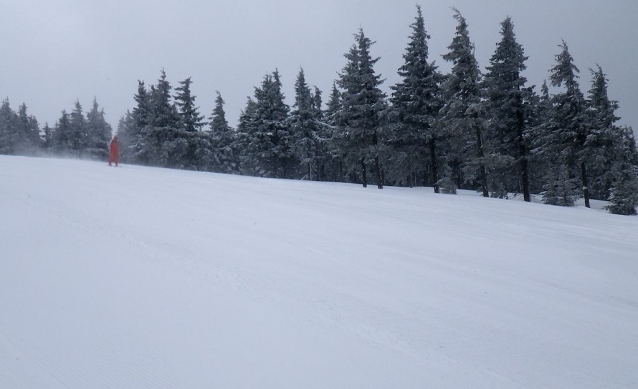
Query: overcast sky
point(55, 52)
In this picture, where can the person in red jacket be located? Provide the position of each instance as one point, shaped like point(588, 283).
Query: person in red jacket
point(113, 151)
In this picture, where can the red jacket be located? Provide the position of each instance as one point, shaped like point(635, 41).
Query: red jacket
point(113, 149)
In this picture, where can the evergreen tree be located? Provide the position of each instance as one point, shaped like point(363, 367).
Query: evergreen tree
point(28, 132)
point(135, 127)
point(130, 139)
point(568, 127)
point(47, 137)
point(270, 145)
point(463, 114)
point(606, 149)
point(8, 129)
point(191, 120)
point(623, 199)
point(99, 132)
point(246, 130)
point(362, 107)
point(78, 136)
point(222, 139)
point(165, 144)
point(63, 135)
point(199, 154)
point(505, 91)
point(416, 103)
point(334, 153)
point(305, 128)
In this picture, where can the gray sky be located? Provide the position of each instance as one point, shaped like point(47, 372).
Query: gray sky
point(55, 52)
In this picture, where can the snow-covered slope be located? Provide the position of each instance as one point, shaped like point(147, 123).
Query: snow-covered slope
point(137, 277)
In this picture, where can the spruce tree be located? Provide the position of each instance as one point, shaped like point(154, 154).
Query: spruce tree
point(334, 151)
point(305, 128)
point(8, 129)
point(463, 114)
point(243, 145)
point(78, 137)
point(568, 127)
point(62, 135)
point(222, 139)
point(416, 103)
point(505, 90)
point(270, 144)
point(362, 107)
point(99, 132)
point(605, 138)
point(28, 132)
point(623, 198)
point(189, 115)
point(199, 154)
point(164, 146)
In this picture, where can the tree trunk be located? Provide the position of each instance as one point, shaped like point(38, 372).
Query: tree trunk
point(435, 172)
point(522, 151)
point(583, 173)
point(378, 172)
point(364, 174)
point(482, 171)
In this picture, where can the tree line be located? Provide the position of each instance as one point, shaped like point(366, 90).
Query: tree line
point(468, 129)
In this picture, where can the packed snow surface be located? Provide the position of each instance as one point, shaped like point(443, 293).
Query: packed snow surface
point(138, 277)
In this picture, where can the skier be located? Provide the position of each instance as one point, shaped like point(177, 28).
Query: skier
point(113, 151)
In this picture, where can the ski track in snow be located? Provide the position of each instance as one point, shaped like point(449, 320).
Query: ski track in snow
point(156, 278)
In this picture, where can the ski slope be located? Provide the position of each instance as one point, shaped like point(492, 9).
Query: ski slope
point(138, 277)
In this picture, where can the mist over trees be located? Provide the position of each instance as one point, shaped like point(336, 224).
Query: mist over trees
point(487, 131)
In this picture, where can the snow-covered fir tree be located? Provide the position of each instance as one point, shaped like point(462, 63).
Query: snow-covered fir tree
point(362, 107)
point(199, 154)
point(605, 140)
point(568, 127)
point(270, 144)
point(222, 138)
point(305, 129)
point(78, 137)
point(504, 86)
point(164, 144)
point(62, 135)
point(623, 198)
point(335, 154)
point(416, 103)
point(99, 132)
point(463, 115)
point(246, 128)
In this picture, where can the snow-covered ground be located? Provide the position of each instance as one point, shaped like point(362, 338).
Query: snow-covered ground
point(137, 277)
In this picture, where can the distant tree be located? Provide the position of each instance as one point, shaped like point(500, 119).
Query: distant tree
point(623, 199)
point(189, 115)
point(78, 136)
point(199, 153)
point(222, 139)
point(416, 103)
point(505, 92)
point(605, 141)
point(99, 132)
point(334, 154)
point(568, 126)
point(63, 135)
point(305, 128)
point(246, 130)
point(47, 137)
point(164, 144)
point(270, 144)
point(463, 115)
point(362, 107)
point(8, 129)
